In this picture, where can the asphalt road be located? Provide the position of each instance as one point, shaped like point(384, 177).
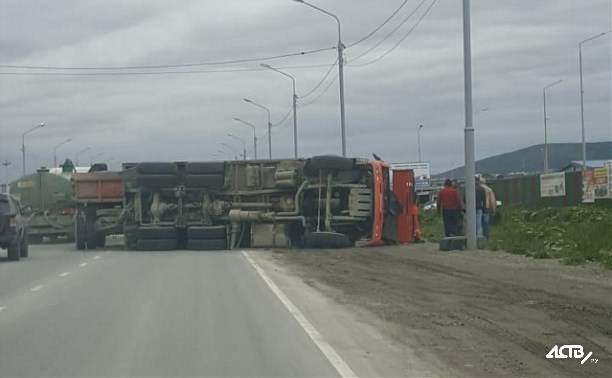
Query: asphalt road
point(117, 313)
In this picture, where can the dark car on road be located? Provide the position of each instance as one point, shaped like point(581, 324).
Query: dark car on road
point(13, 228)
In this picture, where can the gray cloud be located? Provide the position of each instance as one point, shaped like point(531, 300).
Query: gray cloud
point(518, 48)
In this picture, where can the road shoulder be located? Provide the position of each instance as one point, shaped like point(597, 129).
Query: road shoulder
point(352, 331)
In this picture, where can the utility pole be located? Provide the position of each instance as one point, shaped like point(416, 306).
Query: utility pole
point(545, 128)
point(295, 97)
point(582, 99)
point(340, 72)
point(470, 183)
point(419, 140)
point(6, 164)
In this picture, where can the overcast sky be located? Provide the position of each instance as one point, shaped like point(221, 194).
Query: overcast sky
point(518, 47)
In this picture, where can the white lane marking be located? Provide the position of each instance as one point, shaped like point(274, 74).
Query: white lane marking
point(2, 308)
point(82, 265)
point(64, 274)
point(96, 257)
point(37, 288)
point(328, 351)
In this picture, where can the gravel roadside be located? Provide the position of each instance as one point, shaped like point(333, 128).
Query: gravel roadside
point(477, 313)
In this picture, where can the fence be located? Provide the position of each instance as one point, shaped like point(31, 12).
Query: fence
point(525, 190)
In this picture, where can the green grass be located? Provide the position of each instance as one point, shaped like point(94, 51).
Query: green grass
point(575, 234)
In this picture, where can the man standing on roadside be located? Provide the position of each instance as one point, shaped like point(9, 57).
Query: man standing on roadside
point(481, 206)
point(449, 204)
point(462, 211)
point(491, 207)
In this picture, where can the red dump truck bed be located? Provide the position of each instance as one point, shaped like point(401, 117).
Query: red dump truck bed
point(99, 199)
point(98, 187)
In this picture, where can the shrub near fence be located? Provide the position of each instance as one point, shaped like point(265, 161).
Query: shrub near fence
point(525, 190)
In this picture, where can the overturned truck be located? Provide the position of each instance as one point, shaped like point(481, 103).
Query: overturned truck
point(323, 201)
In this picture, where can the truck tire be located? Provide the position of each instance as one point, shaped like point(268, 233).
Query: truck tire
point(13, 251)
point(206, 244)
point(205, 180)
point(207, 232)
point(90, 226)
point(329, 162)
point(130, 240)
point(154, 168)
point(199, 168)
point(24, 248)
point(156, 244)
point(152, 233)
point(157, 180)
point(80, 229)
point(327, 240)
point(101, 241)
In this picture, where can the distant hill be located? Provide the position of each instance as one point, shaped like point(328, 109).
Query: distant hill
point(531, 159)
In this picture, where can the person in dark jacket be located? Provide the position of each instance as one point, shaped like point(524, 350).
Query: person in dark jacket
point(449, 204)
point(481, 206)
point(461, 212)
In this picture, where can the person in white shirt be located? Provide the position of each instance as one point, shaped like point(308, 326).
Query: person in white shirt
point(490, 209)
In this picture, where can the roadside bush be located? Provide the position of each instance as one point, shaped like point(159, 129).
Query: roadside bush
point(575, 234)
point(432, 227)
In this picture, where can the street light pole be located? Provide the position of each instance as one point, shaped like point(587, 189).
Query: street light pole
point(243, 144)
point(545, 128)
point(419, 140)
point(269, 125)
point(76, 158)
point(470, 184)
point(295, 137)
point(231, 148)
point(55, 151)
point(340, 72)
point(582, 99)
point(254, 135)
point(6, 164)
point(23, 144)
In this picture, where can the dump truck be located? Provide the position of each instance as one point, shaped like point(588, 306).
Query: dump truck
point(323, 201)
point(99, 207)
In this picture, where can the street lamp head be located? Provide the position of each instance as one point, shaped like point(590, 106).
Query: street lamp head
point(299, 1)
point(420, 126)
point(247, 100)
point(265, 65)
point(41, 124)
point(237, 119)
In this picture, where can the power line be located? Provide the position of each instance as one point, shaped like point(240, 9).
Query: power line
point(391, 33)
point(321, 81)
point(222, 62)
point(154, 72)
point(379, 26)
point(283, 125)
point(401, 39)
point(284, 118)
point(321, 94)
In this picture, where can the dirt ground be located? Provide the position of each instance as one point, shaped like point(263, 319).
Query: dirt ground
point(472, 313)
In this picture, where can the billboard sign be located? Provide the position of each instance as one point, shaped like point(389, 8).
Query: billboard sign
point(552, 185)
point(422, 173)
point(588, 186)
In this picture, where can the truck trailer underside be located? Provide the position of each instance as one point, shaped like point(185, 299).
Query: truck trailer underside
point(323, 201)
